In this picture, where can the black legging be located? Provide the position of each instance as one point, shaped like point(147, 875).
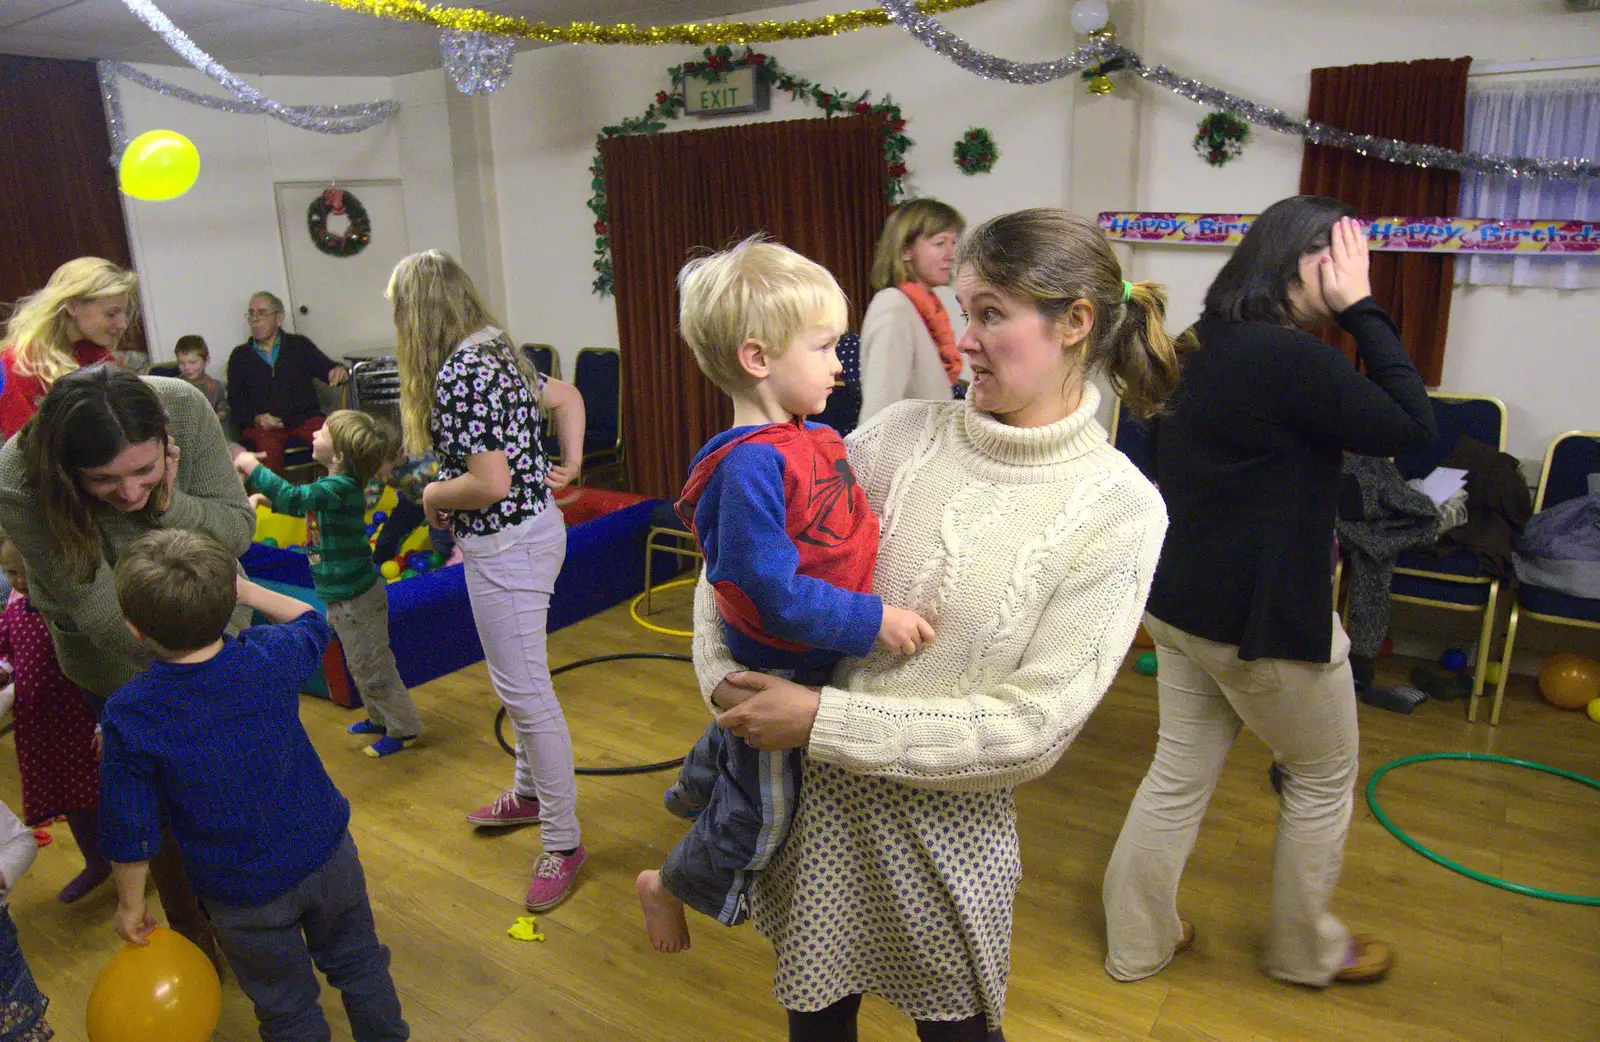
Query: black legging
point(837, 1023)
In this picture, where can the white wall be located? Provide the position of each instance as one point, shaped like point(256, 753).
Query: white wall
point(545, 120)
point(1533, 348)
point(201, 256)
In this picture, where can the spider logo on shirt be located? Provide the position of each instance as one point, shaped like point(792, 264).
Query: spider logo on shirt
point(831, 505)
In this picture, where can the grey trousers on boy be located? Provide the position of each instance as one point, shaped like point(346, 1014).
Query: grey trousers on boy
point(325, 920)
point(362, 623)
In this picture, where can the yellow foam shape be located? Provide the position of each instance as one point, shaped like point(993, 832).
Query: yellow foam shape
point(526, 928)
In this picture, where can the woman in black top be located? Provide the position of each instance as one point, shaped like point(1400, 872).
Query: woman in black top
point(1247, 457)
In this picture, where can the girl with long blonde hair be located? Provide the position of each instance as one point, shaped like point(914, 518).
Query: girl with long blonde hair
point(75, 321)
point(469, 394)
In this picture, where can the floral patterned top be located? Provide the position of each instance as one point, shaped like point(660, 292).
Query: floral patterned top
point(483, 404)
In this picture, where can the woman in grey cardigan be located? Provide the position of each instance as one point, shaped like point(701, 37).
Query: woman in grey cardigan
point(108, 457)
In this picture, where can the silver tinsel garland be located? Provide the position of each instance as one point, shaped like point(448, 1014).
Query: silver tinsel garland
point(323, 119)
point(989, 66)
point(478, 63)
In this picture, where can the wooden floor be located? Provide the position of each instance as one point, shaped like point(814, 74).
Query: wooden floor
point(1475, 962)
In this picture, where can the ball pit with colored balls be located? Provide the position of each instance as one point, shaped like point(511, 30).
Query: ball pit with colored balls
point(390, 570)
point(269, 541)
point(372, 530)
point(1454, 660)
point(380, 516)
point(417, 561)
point(409, 573)
point(1145, 664)
point(436, 559)
point(1569, 680)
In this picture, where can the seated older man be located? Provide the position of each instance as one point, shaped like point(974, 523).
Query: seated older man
point(271, 394)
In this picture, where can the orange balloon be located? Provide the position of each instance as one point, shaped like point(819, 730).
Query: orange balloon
point(1569, 680)
point(165, 990)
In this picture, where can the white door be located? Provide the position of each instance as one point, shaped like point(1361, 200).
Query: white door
point(338, 301)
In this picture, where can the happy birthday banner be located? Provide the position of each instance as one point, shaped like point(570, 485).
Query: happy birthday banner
point(1408, 234)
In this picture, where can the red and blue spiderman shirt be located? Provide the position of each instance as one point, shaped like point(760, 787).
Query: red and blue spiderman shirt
point(789, 545)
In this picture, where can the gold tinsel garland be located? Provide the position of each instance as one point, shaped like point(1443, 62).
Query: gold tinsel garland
point(697, 33)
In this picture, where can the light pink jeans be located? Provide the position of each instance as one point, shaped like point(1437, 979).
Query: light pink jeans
point(510, 591)
point(1306, 713)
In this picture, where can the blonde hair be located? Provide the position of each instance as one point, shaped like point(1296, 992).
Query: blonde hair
point(436, 306)
point(365, 442)
point(760, 291)
point(37, 330)
point(910, 221)
point(1056, 258)
point(178, 587)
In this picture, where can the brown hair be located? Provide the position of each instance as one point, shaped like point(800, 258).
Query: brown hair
point(1056, 258)
point(908, 222)
point(178, 587)
point(365, 442)
point(191, 344)
point(86, 420)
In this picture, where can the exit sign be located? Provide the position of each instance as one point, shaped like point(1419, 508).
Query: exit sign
point(739, 90)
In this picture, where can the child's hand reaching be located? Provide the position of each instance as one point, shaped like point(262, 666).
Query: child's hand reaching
point(904, 631)
point(133, 922)
point(246, 463)
point(259, 499)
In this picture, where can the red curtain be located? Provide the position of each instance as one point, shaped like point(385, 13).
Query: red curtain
point(61, 198)
point(815, 185)
point(1420, 101)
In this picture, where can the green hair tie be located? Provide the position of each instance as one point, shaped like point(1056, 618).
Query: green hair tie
point(1127, 291)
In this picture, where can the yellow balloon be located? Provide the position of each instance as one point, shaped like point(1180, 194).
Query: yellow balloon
point(165, 990)
point(1594, 710)
point(158, 165)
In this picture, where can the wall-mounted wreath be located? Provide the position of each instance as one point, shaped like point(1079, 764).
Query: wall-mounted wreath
point(976, 151)
point(338, 201)
point(1220, 138)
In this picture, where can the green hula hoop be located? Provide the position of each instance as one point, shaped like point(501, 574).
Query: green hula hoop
point(1516, 888)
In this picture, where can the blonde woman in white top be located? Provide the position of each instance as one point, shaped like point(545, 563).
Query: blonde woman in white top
point(907, 348)
point(1029, 543)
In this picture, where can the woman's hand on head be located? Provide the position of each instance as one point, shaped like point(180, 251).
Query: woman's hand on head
point(1344, 271)
point(768, 712)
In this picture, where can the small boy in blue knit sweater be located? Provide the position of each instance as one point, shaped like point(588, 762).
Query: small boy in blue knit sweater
point(210, 739)
point(789, 545)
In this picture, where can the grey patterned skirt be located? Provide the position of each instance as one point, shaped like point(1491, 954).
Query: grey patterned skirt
point(902, 893)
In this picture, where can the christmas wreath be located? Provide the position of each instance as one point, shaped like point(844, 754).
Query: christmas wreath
point(976, 151)
point(718, 63)
point(355, 238)
point(1221, 137)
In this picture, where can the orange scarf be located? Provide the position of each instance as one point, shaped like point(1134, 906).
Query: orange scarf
point(937, 319)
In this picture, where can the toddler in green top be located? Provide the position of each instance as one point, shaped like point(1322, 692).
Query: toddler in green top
point(354, 448)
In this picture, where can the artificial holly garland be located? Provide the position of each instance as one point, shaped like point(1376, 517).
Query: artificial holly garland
point(718, 63)
point(1220, 138)
point(976, 152)
point(355, 238)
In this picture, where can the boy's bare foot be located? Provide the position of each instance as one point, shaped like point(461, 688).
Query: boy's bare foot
point(663, 914)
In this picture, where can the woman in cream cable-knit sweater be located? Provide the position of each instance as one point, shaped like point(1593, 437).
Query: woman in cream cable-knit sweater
point(1029, 542)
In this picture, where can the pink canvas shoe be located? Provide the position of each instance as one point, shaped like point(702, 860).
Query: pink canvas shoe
point(509, 808)
point(553, 876)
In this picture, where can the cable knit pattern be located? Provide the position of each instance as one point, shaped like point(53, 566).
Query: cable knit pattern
point(1031, 551)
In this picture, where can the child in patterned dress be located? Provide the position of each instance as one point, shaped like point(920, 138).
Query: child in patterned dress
point(55, 731)
point(789, 544)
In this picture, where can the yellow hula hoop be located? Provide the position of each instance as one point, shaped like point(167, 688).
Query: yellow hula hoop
point(633, 609)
